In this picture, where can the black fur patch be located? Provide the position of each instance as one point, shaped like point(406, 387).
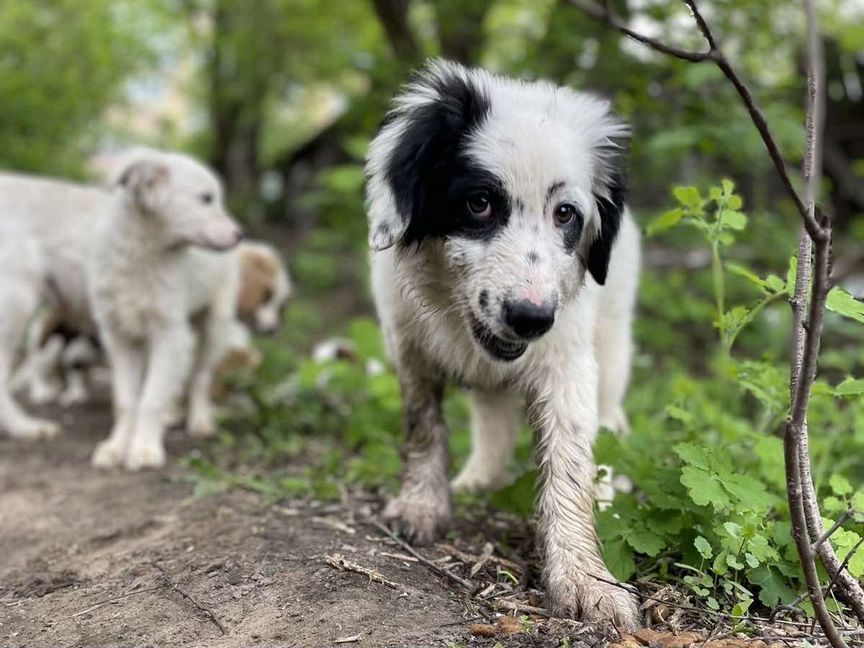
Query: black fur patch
point(428, 173)
point(532, 257)
point(483, 300)
point(611, 210)
point(551, 191)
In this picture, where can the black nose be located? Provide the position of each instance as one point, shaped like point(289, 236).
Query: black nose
point(527, 319)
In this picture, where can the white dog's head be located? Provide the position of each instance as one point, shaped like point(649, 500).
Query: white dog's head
point(516, 185)
point(182, 197)
point(264, 287)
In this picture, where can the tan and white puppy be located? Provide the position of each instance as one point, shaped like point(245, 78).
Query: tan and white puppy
point(503, 259)
point(265, 287)
point(163, 289)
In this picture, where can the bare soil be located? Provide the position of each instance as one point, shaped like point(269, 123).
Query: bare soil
point(94, 558)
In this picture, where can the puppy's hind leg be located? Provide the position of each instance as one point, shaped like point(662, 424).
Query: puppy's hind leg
point(494, 426)
point(421, 512)
point(18, 302)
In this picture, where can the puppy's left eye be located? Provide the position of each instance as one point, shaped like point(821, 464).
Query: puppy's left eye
point(565, 213)
point(206, 198)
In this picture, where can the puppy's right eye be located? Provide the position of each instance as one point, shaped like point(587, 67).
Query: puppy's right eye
point(479, 206)
point(206, 198)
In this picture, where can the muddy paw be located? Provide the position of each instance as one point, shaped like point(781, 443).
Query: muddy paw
point(145, 455)
point(34, 429)
point(108, 454)
point(590, 599)
point(419, 521)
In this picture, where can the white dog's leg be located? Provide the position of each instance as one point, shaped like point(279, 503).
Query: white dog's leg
point(76, 391)
point(421, 512)
point(78, 358)
point(127, 372)
point(17, 305)
point(42, 381)
point(565, 420)
point(494, 426)
point(211, 346)
point(614, 348)
point(168, 364)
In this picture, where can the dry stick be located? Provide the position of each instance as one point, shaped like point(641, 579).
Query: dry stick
point(190, 598)
point(827, 534)
point(817, 233)
point(113, 599)
point(468, 585)
point(338, 561)
point(807, 354)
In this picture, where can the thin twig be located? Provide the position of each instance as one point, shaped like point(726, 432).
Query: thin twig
point(513, 606)
point(468, 585)
point(827, 534)
point(338, 561)
point(843, 565)
point(113, 599)
point(207, 611)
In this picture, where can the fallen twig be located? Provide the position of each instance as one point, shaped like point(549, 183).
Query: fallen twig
point(113, 599)
point(467, 557)
point(353, 639)
point(513, 606)
point(468, 585)
point(338, 561)
point(207, 611)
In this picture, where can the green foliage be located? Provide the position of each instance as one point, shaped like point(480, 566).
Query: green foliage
point(62, 64)
point(710, 510)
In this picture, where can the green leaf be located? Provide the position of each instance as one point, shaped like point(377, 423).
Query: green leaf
point(619, 559)
point(703, 547)
point(850, 387)
point(704, 488)
point(772, 586)
point(733, 529)
point(733, 562)
point(733, 219)
point(735, 203)
point(689, 197)
point(646, 542)
point(842, 303)
point(728, 186)
point(518, 497)
point(664, 222)
point(840, 485)
point(741, 271)
point(692, 454)
point(751, 560)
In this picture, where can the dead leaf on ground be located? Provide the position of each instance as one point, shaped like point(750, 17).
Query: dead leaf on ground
point(509, 625)
point(482, 630)
point(649, 637)
point(626, 641)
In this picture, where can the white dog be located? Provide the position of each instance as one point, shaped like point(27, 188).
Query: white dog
point(59, 361)
point(504, 260)
point(46, 233)
point(159, 274)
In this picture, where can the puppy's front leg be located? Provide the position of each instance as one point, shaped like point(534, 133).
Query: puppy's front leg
point(421, 512)
point(168, 365)
point(578, 584)
point(127, 372)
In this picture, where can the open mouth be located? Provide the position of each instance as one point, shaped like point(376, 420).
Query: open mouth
point(497, 347)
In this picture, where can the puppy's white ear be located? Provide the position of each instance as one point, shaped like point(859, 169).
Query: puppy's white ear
point(142, 179)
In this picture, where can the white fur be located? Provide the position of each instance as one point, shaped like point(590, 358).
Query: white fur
point(573, 378)
point(163, 289)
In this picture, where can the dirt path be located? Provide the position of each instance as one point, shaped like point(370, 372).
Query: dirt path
point(86, 558)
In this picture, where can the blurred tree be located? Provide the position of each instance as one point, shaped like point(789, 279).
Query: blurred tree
point(62, 63)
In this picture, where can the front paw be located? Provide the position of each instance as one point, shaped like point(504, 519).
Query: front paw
point(418, 519)
point(110, 453)
point(145, 454)
point(590, 599)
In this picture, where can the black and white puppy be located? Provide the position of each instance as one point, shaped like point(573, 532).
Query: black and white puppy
point(504, 260)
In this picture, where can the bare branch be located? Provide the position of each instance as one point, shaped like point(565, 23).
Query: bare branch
point(715, 54)
point(827, 534)
point(604, 12)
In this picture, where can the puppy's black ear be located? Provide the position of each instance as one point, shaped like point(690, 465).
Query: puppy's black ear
point(142, 178)
point(610, 208)
point(425, 132)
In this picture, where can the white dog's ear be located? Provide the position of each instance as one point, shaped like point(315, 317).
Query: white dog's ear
point(411, 158)
point(142, 178)
point(610, 192)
